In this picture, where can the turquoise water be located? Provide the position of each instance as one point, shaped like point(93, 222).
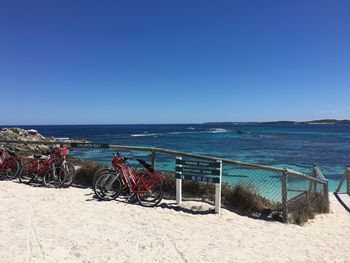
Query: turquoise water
point(291, 146)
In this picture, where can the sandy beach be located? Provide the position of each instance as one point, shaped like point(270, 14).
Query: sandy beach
point(68, 225)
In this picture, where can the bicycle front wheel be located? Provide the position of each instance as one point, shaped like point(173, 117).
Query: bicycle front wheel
point(149, 193)
point(25, 176)
point(99, 173)
point(108, 186)
point(13, 169)
point(55, 177)
point(71, 174)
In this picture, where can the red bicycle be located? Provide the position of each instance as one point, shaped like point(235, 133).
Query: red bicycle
point(10, 164)
point(60, 157)
point(47, 170)
point(145, 185)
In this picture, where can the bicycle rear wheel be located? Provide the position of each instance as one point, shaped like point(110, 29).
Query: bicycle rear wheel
point(150, 193)
point(55, 177)
point(107, 186)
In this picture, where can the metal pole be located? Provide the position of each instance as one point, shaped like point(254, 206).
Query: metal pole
point(348, 180)
point(345, 176)
point(178, 188)
point(153, 160)
point(284, 196)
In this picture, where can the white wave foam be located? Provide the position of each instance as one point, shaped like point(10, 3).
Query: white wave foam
point(217, 130)
point(143, 134)
point(62, 139)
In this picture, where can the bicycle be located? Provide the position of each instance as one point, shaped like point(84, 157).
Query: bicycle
point(10, 164)
point(145, 185)
point(60, 155)
point(45, 170)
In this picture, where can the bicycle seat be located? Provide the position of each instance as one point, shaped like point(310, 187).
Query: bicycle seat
point(37, 156)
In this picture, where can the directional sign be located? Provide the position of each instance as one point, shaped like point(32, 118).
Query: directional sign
point(194, 170)
point(198, 163)
point(203, 171)
point(206, 179)
point(89, 145)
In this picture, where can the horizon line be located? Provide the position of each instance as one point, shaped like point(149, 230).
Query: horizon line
point(175, 123)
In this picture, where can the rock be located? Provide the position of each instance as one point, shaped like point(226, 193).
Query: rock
point(18, 134)
point(32, 131)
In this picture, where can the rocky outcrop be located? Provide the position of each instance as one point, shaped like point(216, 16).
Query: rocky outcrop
point(18, 134)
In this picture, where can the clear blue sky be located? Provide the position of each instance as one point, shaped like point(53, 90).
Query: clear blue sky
point(87, 62)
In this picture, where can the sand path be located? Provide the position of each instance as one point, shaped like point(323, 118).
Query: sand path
point(67, 225)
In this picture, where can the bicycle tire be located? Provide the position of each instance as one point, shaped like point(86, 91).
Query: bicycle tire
point(150, 186)
point(55, 177)
point(107, 186)
point(25, 176)
point(99, 173)
point(14, 168)
point(71, 174)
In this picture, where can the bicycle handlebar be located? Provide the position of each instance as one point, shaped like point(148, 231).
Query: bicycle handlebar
point(140, 161)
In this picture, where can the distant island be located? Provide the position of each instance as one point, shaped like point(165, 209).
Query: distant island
point(323, 121)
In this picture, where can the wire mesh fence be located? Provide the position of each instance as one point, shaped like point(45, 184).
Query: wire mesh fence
point(266, 183)
point(280, 189)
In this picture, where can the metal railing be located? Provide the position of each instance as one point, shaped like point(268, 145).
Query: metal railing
point(280, 186)
point(345, 179)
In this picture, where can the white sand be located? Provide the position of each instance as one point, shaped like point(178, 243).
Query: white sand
point(66, 225)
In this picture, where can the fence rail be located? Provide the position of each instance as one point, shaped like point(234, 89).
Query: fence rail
point(278, 185)
point(346, 179)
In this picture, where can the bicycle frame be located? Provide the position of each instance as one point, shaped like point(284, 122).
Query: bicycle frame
point(39, 166)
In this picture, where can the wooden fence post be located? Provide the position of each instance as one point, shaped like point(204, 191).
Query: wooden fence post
point(284, 182)
point(326, 196)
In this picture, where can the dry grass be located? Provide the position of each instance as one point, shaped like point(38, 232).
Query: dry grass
point(245, 197)
point(85, 173)
point(306, 207)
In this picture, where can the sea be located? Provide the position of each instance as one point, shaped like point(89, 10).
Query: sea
point(294, 146)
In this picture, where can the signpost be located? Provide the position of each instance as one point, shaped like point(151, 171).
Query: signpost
point(89, 145)
point(202, 171)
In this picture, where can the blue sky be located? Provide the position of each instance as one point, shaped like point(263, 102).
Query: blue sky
point(110, 62)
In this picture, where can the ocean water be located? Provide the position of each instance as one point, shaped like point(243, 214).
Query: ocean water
point(292, 146)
